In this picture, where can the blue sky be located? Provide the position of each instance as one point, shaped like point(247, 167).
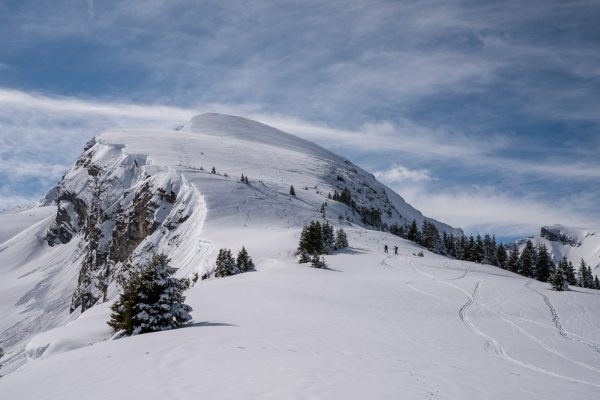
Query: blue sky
point(482, 114)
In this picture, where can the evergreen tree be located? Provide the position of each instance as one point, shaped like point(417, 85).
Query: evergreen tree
point(501, 258)
point(304, 257)
point(292, 191)
point(244, 262)
point(527, 260)
point(328, 238)
point(246, 179)
point(582, 275)
point(242, 179)
point(341, 240)
point(213, 170)
point(317, 262)
point(225, 264)
point(596, 282)
point(152, 301)
point(569, 272)
point(558, 279)
point(513, 264)
point(124, 308)
point(311, 239)
point(478, 251)
point(543, 265)
point(413, 232)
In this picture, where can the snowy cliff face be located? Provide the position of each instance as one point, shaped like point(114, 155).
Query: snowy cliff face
point(570, 242)
point(136, 193)
point(115, 206)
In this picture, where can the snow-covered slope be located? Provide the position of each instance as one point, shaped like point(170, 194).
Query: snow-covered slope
point(136, 193)
point(374, 325)
point(570, 242)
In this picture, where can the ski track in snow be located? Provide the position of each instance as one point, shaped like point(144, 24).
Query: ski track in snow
point(494, 346)
point(557, 323)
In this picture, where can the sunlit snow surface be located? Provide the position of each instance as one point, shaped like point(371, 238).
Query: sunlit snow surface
point(373, 325)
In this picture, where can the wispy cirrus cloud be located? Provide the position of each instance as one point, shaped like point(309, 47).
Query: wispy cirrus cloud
point(502, 96)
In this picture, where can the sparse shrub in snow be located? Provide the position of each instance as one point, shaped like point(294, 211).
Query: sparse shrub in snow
point(558, 279)
point(341, 240)
point(151, 301)
point(318, 262)
point(244, 261)
point(225, 264)
point(304, 257)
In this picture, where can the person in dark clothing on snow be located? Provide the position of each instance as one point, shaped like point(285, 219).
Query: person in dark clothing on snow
point(385, 248)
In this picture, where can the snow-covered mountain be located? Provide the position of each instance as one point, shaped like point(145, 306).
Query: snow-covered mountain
point(136, 193)
point(373, 325)
point(570, 242)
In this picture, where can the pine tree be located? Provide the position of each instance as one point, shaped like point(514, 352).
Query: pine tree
point(225, 264)
point(213, 170)
point(292, 191)
point(152, 301)
point(513, 264)
point(596, 282)
point(244, 262)
point(569, 272)
point(242, 179)
point(328, 238)
point(582, 274)
point(590, 278)
point(304, 257)
point(413, 232)
point(500, 258)
point(543, 265)
point(478, 252)
point(341, 240)
point(246, 179)
point(317, 262)
point(527, 260)
point(124, 308)
point(558, 279)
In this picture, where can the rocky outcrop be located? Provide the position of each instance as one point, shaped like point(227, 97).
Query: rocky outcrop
point(554, 234)
point(111, 206)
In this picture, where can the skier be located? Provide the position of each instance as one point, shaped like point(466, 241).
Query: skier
point(396, 250)
point(385, 248)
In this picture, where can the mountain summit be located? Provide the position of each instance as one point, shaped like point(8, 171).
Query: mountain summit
point(364, 323)
point(136, 193)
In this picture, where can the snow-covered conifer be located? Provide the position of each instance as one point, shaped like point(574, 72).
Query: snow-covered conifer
point(558, 279)
point(328, 238)
point(225, 264)
point(341, 240)
point(244, 261)
point(152, 301)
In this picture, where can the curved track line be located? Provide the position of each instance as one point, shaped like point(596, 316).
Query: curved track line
point(500, 351)
point(556, 320)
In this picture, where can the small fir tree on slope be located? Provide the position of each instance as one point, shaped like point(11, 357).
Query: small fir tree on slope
point(152, 301)
point(558, 279)
point(341, 240)
point(225, 264)
point(244, 262)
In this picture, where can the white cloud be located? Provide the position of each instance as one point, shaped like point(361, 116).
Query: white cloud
point(398, 173)
point(488, 210)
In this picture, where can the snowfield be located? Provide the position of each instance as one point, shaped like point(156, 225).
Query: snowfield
point(373, 325)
